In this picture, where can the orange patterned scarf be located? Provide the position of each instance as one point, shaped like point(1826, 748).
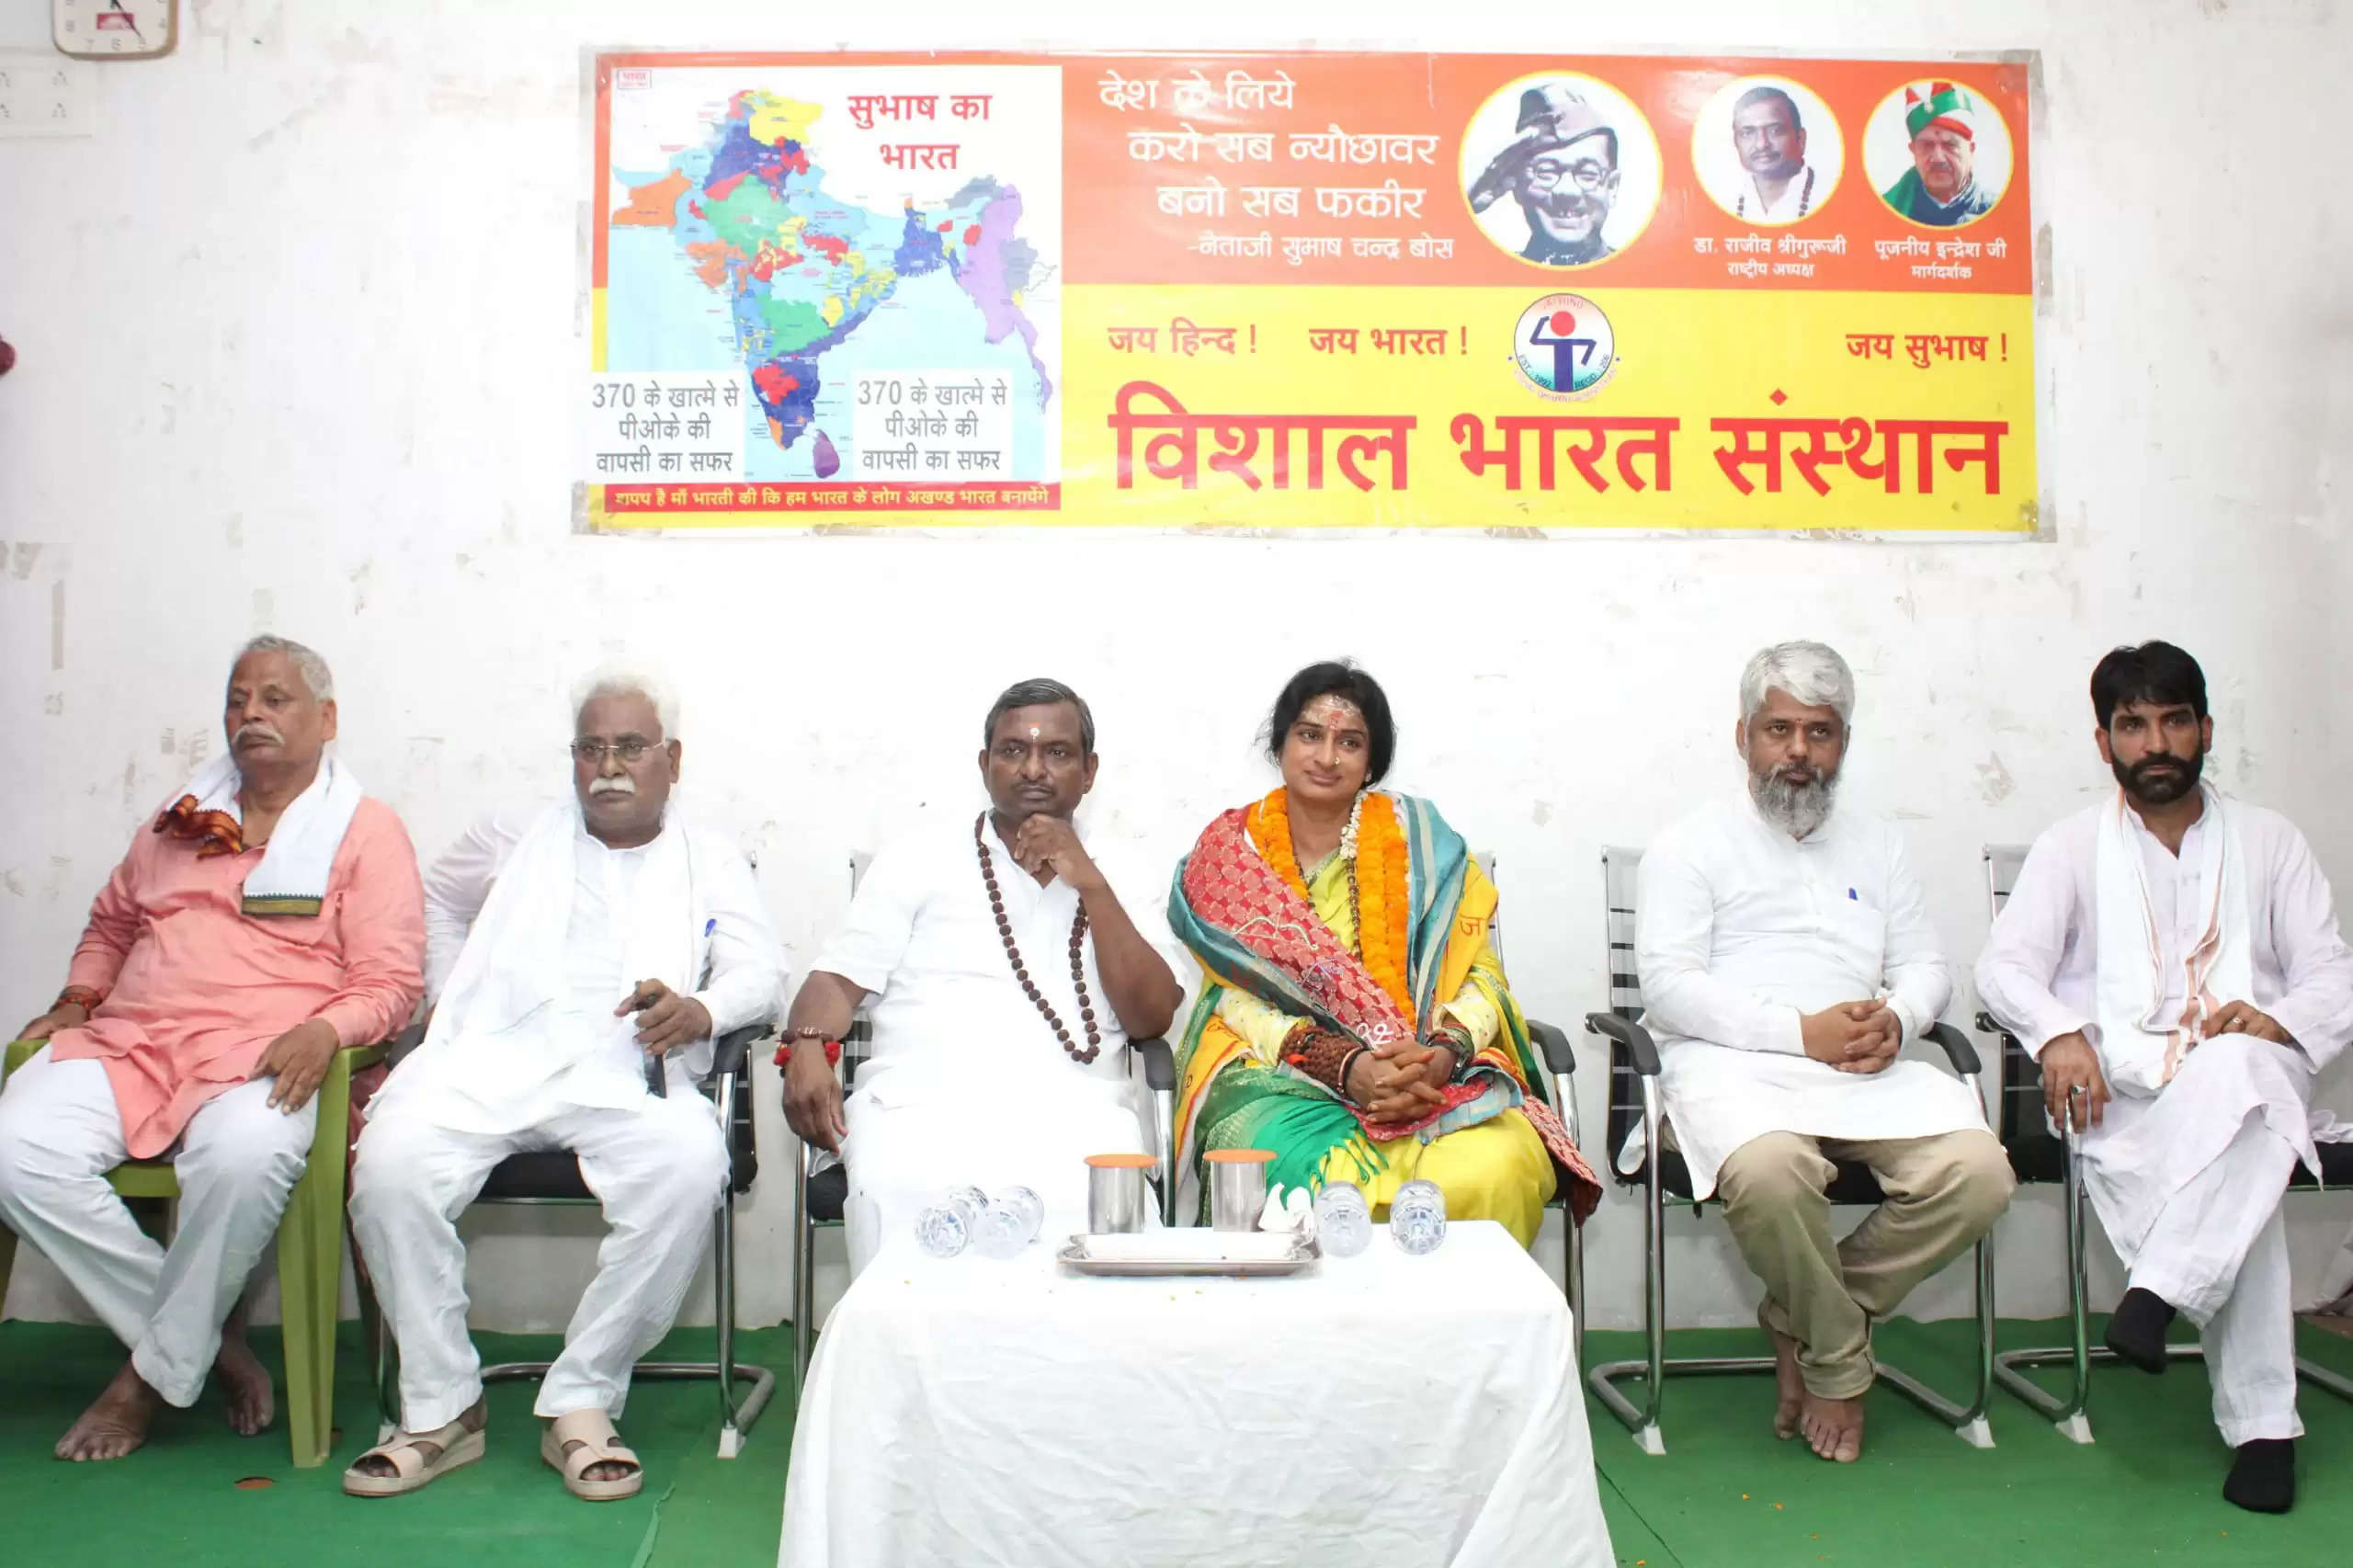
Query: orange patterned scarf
point(1385, 865)
point(216, 833)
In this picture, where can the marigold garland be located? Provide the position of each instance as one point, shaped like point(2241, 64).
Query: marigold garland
point(1383, 896)
point(1383, 866)
point(1268, 825)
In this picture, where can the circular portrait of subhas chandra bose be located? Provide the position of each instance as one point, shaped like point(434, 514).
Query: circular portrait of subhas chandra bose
point(1561, 169)
point(1768, 151)
point(1937, 152)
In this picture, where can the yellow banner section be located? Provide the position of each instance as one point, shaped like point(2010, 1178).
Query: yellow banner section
point(1313, 408)
point(1309, 407)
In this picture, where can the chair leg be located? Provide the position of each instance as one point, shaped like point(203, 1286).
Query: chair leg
point(804, 1287)
point(2319, 1376)
point(310, 1273)
point(7, 1265)
point(1572, 1239)
point(1971, 1423)
point(1643, 1423)
point(2067, 1415)
point(1165, 1106)
point(1572, 1282)
point(384, 1356)
point(722, 1280)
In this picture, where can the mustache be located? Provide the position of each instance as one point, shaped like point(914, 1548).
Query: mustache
point(259, 730)
point(617, 785)
point(1569, 204)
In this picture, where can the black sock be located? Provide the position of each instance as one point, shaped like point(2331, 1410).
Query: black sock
point(2136, 1330)
point(2263, 1478)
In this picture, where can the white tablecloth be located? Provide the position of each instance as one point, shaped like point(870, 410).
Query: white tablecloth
point(1375, 1412)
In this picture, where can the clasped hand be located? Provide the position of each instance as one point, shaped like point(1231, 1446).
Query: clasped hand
point(1403, 1084)
point(1853, 1037)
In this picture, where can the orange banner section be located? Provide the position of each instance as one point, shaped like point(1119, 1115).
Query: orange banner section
point(1312, 290)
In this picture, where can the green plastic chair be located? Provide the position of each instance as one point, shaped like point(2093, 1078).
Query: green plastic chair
point(309, 1246)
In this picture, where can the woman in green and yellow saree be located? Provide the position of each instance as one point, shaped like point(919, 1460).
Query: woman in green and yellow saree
point(1355, 1021)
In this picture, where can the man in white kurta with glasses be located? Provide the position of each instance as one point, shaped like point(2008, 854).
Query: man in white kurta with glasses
point(1786, 956)
point(2170, 956)
point(578, 954)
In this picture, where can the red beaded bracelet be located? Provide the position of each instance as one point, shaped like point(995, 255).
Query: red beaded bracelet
point(80, 996)
point(833, 1052)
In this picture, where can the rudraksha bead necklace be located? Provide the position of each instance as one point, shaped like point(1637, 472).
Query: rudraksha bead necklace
point(1021, 971)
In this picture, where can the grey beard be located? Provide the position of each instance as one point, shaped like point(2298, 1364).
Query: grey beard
point(1796, 808)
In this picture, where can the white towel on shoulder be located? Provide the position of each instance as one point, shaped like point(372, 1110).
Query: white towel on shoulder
point(2140, 1048)
point(295, 864)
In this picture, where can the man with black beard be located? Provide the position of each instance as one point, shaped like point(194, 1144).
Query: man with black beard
point(2170, 956)
point(1786, 955)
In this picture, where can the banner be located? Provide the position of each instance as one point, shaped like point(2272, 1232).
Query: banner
point(1315, 291)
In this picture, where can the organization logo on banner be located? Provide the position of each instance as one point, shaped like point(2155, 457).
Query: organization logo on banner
point(1564, 347)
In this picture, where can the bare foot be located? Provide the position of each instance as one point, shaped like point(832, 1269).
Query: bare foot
point(116, 1422)
point(244, 1381)
point(1790, 1385)
point(1833, 1427)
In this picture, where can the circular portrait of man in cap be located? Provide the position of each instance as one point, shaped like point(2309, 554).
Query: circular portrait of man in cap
point(1768, 151)
point(1938, 154)
point(1561, 169)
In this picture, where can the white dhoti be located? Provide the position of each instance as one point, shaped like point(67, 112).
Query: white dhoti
point(2188, 1186)
point(910, 1144)
point(657, 1169)
point(237, 1161)
point(526, 1053)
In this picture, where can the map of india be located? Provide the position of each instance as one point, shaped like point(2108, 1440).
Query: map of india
point(802, 274)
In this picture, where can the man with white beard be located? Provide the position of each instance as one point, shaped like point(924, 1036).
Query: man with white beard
point(1786, 956)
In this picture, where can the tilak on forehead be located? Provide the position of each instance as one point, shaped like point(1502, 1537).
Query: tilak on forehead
point(1332, 709)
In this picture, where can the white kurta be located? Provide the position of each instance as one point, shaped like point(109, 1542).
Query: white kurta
point(525, 1054)
point(1740, 929)
point(967, 1082)
point(1803, 194)
point(573, 1051)
point(2187, 1184)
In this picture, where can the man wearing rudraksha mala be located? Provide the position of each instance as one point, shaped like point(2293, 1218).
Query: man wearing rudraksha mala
point(1005, 976)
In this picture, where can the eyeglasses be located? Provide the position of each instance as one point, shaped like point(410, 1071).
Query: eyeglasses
point(594, 753)
point(1587, 172)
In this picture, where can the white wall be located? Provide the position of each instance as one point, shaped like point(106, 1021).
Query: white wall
point(298, 328)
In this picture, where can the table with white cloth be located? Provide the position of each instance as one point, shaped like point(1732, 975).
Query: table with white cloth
point(1380, 1410)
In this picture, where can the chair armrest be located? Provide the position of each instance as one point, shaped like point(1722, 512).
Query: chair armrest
point(733, 1049)
point(1957, 1046)
point(1159, 1062)
point(398, 1049)
point(355, 1056)
point(1553, 1044)
point(1630, 1034)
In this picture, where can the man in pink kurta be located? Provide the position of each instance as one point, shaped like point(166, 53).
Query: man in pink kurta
point(271, 917)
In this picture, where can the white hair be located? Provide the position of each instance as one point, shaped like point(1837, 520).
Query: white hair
point(1811, 671)
point(312, 668)
point(618, 680)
